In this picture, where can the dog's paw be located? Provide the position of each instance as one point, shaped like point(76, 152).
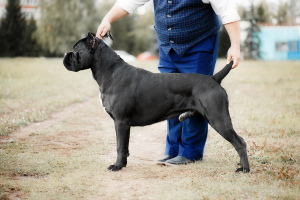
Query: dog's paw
point(115, 167)
point(241, 169)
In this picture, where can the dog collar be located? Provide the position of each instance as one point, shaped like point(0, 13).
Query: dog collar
point(108, 39)
point(107, 35)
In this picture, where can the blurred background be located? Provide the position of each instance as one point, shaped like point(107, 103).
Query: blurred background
point(56, 141)
point(270, 29)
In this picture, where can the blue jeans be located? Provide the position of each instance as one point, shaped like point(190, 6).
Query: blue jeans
point(188, 138)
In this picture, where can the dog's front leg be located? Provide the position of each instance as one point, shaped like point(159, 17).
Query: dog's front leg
point(123, 132)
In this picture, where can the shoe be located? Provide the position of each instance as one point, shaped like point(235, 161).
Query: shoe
point(163, 160)
point(179, 160)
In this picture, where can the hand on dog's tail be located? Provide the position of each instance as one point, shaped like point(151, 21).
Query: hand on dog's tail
point(221, 74)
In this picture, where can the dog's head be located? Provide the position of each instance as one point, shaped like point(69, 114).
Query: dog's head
point(82, 55)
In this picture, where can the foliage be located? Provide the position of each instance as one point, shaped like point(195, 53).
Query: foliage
point(132, 33)
point(29, 44)
point(62, 23)
point(16, 35)
point(11, 30)
point(224, 42)
point(282, 13)
point(262, 13)
point(294, 11)
point(252, 42)
point(242, 12)
point(259, 13)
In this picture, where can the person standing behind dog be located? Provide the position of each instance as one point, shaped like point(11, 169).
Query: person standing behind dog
point(187, 32)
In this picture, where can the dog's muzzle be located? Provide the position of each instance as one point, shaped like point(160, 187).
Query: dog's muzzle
point(70, 61)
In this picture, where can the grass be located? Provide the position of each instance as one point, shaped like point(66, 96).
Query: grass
point(68, 159)
point(33, 88)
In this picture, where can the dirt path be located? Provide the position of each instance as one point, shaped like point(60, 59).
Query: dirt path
point(67, 157)
point(143, 141)
point(84, 124)
point(55, 118)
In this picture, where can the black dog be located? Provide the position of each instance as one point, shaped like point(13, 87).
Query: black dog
point(136, 97)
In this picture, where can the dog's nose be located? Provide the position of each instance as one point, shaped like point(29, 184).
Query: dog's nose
point(66, 60)
point(67, 53)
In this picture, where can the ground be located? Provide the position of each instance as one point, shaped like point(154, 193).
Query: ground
point(57, 141)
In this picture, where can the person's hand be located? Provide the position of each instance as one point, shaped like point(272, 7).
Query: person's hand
point(103, 28)
point(234, 54)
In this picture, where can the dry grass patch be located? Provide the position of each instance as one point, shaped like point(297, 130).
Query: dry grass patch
point(33, 88)
point(68, 158)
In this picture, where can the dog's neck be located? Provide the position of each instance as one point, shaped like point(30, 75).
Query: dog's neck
point(105, 64)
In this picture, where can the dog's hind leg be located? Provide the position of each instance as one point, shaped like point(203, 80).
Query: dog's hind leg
point(221, 122)
point(238, 142)
point(123, 133)
point(227, 132)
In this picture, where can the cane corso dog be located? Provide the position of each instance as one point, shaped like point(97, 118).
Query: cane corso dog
point(136, 97)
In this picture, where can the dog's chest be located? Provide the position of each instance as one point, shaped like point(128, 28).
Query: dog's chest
point(102, 103)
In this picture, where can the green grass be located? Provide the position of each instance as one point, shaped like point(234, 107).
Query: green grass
point(68, 159)
point(32, 89)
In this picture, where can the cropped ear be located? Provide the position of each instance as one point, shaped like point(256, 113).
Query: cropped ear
point(91, 41)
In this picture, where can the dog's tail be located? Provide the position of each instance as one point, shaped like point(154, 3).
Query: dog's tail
point(221, 74)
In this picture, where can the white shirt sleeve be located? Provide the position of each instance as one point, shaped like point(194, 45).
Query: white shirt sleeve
point(130, 5)
point(226, 9)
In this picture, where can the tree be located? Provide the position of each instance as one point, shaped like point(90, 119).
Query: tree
point(11, 30)
point(30, 45)
point(294, 9)
point(242, 11)
point(224, 42)
point(282, 13)
point(252, 42)
point(262, 13)
point(145, 34)
point(123, 33)
point(62, 23)
point(132, 33)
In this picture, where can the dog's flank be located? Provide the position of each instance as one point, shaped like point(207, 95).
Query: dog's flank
point(136, 97)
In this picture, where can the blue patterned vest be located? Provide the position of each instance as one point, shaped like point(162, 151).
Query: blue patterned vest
point(180, 24)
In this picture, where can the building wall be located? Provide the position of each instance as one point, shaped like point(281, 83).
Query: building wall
point(29, 8)
point(280, 42)
point(2, 8)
